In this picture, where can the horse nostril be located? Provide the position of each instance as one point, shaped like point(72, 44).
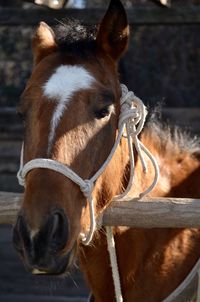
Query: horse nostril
point(21, 236)
point(59, 231)
point(41, 252)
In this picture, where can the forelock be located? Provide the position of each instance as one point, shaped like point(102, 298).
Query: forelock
point(72, 35)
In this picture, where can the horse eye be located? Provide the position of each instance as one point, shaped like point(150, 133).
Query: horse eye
point(103, 112)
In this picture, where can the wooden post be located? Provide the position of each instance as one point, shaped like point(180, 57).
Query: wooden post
point(153, 213)
point(147, 213)
point(9, 206)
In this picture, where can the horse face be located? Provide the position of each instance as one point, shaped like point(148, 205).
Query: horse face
point(71, 107)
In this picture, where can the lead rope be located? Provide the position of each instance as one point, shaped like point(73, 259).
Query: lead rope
point(132, 118)
point(134, 124)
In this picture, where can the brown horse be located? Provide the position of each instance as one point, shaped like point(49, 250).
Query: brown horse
point(70, 109)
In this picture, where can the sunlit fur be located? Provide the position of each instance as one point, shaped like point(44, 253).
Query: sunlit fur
point(152, 262)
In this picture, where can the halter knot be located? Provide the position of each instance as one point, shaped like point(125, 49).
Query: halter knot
point(133, 112)
point(87, 188)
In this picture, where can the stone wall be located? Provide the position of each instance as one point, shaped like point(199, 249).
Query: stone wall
point(161, 64)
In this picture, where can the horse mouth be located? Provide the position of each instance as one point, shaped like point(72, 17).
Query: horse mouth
point(61, 266)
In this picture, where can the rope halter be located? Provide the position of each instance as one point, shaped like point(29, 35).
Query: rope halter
point(132, 117)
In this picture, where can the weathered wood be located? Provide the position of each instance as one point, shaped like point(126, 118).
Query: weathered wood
point(137, 16)
point(9, 206)
point(154, 212)
point(151, 213)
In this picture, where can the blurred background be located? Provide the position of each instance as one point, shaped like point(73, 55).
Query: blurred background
point(162, 67)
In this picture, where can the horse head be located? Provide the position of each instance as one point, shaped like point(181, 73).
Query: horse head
point(70, 108)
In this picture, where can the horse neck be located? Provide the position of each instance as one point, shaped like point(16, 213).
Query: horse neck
point(94, 259)
point(179, 165)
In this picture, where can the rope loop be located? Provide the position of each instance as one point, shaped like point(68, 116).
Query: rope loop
point(133, 112)
point(21, 179)
point(133, 115)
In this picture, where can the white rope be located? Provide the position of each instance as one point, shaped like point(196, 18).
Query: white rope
point(132, 117)
point(21, 179)
point(87, 239)
point(114, 265)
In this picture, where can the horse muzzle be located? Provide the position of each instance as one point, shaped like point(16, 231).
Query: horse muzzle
point(43, 251)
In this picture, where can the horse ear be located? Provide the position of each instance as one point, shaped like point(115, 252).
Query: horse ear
point(43, 42)
point(113, 34)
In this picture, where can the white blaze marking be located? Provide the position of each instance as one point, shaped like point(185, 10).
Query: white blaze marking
point(60, 87)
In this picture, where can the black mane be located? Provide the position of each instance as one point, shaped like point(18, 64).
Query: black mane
point(73, 36)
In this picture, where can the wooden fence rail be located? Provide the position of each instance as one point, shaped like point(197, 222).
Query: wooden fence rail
point(178, 15)
point(150, 213)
